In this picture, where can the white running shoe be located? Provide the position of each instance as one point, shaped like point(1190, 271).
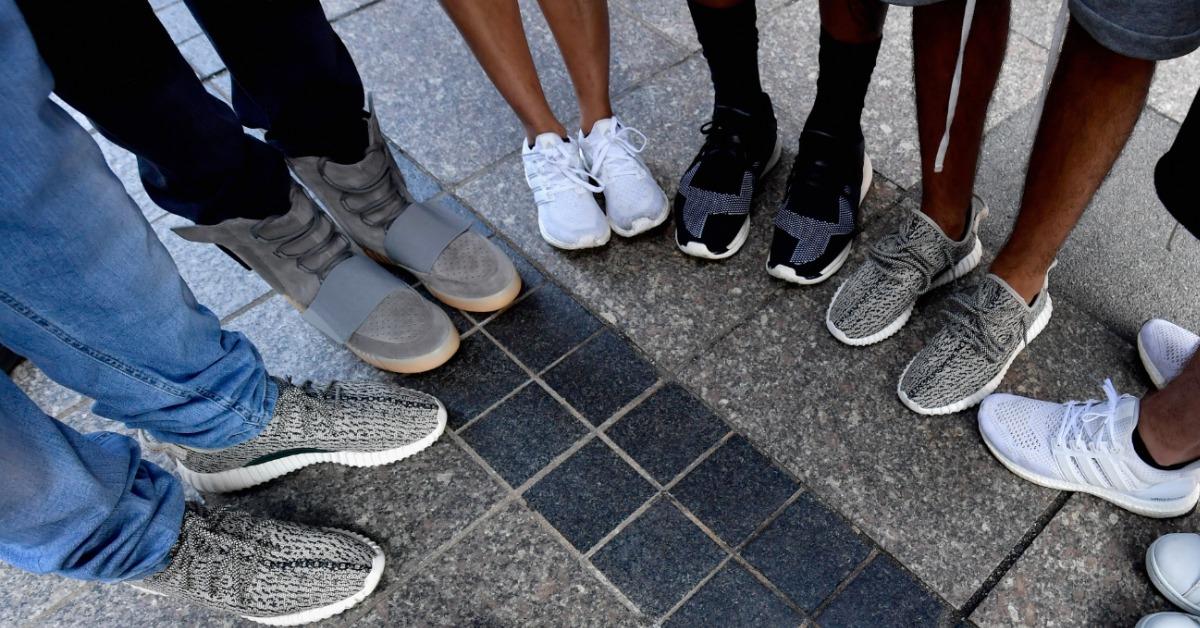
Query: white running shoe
point(633, 199)
point(568, 215)
point(1173, 562)
point(1087, 447)
point(1165, 348)
point(1169, 620)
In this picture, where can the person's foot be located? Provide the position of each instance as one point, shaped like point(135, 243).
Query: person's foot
point(1169, 620)
point(712, 206)
point(305, 257)
point(876, 301)
point(1173, 562)
point(568, 215)
point(1086, 447)
point(371, 202)
point(966, 361)
point(1165, 348)
point(818, 219)
point(632, 199)
point(267, 571)
point(360, 424)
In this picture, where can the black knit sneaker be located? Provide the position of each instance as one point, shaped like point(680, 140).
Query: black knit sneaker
point(816, 225)
point(712, 207)
point(271, 572)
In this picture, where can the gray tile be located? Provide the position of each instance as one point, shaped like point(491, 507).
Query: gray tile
point(50, 396)
point(1035, 19)
point(923, 488)
point(667, 431)
point(523, 434)
point(23, 595)
point(543, 327)
point(1086, 568)
point(674, 21)
point(1115, 265)
point(424, 77)
point(178, 21)
point(121, 605)
point(124, 165)
point(202, 56)
point(336, 9)
point(508, 571)
point(410, 508)
point(420, 184)
point(1175, 85)
point(885, 595)
point(601, 376)
point(476, 377)
point(734, 598)
point(218, 282)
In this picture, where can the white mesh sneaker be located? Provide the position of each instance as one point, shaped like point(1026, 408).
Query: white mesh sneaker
point(1173, 563)
point(632, 198)
point(568, 216)
point(1087, 447)
point(1169, 620)
point(1164, 348)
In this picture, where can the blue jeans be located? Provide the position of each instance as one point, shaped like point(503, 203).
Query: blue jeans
point(89, 295)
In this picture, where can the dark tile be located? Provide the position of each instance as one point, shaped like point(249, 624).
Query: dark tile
point(543, 327)
point(523, 434)
point(667, 431)
point(734, 598)
point(734, 490)
point(884, 595)
point(474, 379)
point(658, 558)
point(603, 375)
point(589, 494)
point(807, 551)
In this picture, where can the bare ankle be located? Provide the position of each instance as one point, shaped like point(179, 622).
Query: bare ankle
point(1026, 283)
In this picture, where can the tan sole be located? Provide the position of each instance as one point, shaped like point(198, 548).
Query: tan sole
point(497, 301)
point(427, 362)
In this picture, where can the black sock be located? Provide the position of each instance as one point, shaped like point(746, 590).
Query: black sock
point(1139, 446)
point(729, 38)
point(845, 75)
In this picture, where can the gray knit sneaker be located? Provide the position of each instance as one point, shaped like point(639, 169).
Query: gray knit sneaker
point(348, 297)
point(360, 424)
point(371, 202)
point(271, 572)
point(876, 301)
point(968, 358)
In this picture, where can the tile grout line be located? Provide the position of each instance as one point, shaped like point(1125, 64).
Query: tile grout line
point(845, 582)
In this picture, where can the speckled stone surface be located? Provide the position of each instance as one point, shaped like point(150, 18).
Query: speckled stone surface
point(756, 605)
point(885, 595)
point(674, 20)
point(1087, 568)
point(52, 398)
point(476, 377)
point(667, 431)
point(601, 376)
point(179, 22)
point(1174, 87)
point(508, 571)
point(201, 55)
point(523, 434)
point(24, 595)
point(218, 282)
point(122, 605)
point(561, 324)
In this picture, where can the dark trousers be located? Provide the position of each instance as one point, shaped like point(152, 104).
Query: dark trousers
point(1175, 175)
point(292, 77)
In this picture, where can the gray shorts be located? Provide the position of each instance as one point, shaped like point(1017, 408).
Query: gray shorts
point(1142, 29)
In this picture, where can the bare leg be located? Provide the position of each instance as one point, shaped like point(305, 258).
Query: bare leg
point(946, 196)
point(1093, 104)
point(853, 21)
point(1169, 423)
point(494, 32)
point(581, 29)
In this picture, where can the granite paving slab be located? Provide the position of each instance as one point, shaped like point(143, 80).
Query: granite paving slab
point(884, 595)
point(667, 431)
point(218, 282)
point(1175, 85)
point(601, 376)
point(674, 20)
point(474, 379)
point(178, 21)
point(755, 604)
point(49, 395)
point(24, 595)
point(98, 604)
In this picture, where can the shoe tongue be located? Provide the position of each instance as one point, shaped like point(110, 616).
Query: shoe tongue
point(547, 141)
point(1126, 420)
point(603, 126)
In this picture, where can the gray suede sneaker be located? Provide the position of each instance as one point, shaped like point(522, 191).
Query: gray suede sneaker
point(348, 297)
point(968, 358)
point(876, 301)
point(371, 202)
point(267, 571)
point(360, 424)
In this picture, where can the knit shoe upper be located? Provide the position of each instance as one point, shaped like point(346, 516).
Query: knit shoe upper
point(1165, 348)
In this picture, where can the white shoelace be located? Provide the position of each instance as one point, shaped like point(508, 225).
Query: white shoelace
point(618, 151)
point(1088, 425)
point(552, 171)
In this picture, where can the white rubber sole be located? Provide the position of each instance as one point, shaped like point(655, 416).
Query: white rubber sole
point(583, 243)
point(642, 225)
point(990, 387)
point(1160, 583)
point(1156, 376)
point(698, 249)
point(1158, 509)
point(788, 274)
point(1146, 621)
point(245, 477)
point(961, 269)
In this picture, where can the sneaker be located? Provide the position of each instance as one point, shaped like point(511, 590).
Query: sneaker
point(371, 202)
point(1086, 447)
point(877, 300)
point(1169, 620)
point(712, 206)
point(1173, 562)
point(568, 216)
point(267, 571)
point(632, 199)
point(305, 257)
point(359, 424)
point(1165, 348)
point(967, 359)
point(818, 220)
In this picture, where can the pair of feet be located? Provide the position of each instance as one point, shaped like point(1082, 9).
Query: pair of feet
point(282, 573)
point(1173, 563)
point(565, 175)
point(324, 259)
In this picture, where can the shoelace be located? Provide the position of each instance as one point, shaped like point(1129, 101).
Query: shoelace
point(335, 245)
point(389, 181)
point(899, 250)
point(552, 171)
point(1088, 425)
point(971, 318)
point(618, 150)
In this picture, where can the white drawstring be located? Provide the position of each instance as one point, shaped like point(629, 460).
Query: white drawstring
point(621, 162)
point(546, 161)
point(955, 84)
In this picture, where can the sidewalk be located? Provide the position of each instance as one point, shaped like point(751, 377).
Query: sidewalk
point(648, 439)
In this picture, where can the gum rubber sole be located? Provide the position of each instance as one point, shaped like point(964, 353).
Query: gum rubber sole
point(493, 303)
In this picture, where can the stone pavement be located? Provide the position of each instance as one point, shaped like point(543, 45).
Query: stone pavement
point(645, 438)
